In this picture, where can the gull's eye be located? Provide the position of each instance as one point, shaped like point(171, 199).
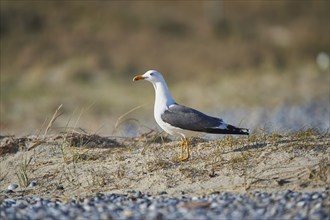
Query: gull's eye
point(151, 74)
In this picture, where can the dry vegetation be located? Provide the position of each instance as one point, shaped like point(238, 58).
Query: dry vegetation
point(77, 164)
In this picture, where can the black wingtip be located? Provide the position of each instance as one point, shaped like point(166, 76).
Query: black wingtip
point(236, 130)
point(230, 130)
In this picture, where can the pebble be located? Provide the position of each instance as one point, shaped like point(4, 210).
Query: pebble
point(136, 205)
point(33, 183)
point(12, 186)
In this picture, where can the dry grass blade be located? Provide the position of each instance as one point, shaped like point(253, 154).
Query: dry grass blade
point(22, 177)
point(82, 111)
point(118, 122)
point(22, 172)
point(55, 116)
point(35, 144)
point(153, 140)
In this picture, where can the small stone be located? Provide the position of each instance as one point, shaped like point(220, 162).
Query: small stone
point(12, 186)
point(59, 187)
point(195, 205)
point(127, 213)
point(154, 215)
point(301, 203)
point(9, 191)
point(153, 207)
point(33, 183)
point(315, 196)
point(100, 195)
point(163, 193)
point(10, 201)
point(138, 194)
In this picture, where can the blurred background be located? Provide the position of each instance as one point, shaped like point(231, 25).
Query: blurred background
point(258, 64)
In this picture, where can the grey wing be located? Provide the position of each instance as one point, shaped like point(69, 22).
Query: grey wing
point(189, 119)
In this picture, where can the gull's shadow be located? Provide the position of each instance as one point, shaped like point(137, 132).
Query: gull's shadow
point(262, 145)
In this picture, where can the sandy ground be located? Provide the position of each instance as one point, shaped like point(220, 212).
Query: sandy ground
point(74, 164)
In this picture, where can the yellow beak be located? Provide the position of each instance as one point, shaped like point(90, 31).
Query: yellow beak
point(136, 78)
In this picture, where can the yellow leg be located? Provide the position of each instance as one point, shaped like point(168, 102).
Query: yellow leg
point(185, 145)
point(181, 149)
point(188, 149)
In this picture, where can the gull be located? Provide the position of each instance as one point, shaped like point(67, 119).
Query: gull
point(179, 120)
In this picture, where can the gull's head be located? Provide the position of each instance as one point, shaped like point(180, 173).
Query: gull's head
point(151, 75)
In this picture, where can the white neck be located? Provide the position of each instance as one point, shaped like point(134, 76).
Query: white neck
point(163, 98)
